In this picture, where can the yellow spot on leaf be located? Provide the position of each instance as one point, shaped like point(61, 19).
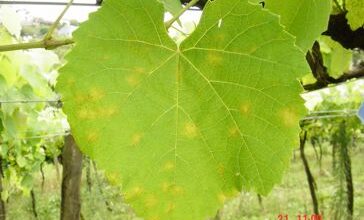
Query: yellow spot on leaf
point(113, 177)
point(252, 49)
point(133, 79)
point(165, 186)
point(108, 111)
point(220, 37)
point(83, 113)
point(96, 94)
point(233, 132)
point(71, 81)
point(231, 193)
point(214, 58)
point(170, 208)
point(245, 108)
point(289, 117)
point(136, 138)
point(154, 218)
point(92, 136)
point(88, 114)
point(106, 57)
point(133, 193)
point(169, 166)
point(176, 190)
point(151, 201)
point(221, 169)
point(190, 130)
point(139, 70)
point(97, 113)
point(172, 189)
point(221, 197)
point(80, 98)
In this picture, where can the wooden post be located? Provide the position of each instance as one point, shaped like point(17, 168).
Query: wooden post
point(71, 180)
point(310, 178)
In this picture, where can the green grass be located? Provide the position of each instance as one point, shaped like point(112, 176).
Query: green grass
point(291, 197)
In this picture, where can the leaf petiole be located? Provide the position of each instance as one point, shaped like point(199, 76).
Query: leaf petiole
point(169, 23)
point(56, 23)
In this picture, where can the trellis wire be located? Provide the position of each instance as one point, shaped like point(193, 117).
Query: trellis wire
point(49, 136)
point(316, 117)
point(27, 101)
point(97, 3)
point(68, 133)
point(334, 111)
point(313, 115)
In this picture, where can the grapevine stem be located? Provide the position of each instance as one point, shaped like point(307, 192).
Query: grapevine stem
point(338, 6)
point(180, 31)
point(45, 43)
point(175, 18)
point(49, 34)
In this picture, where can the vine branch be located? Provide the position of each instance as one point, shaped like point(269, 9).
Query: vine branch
point(175, 18)
point(310, 178)
point(338, 6)
point(340, 31)
point(47, 43)
point(319, 71)
point(49, 34)
point(200, 4)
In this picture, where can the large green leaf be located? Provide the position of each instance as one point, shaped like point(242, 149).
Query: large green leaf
point(184, 127)
point(355, 13)
point(305, 19)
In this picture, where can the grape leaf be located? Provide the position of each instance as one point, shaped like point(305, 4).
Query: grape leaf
point(184, 127)
point(10, 19)
point(337, 59)
point(355, 13)
point(173, 6)
point(305, 19)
